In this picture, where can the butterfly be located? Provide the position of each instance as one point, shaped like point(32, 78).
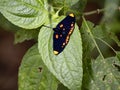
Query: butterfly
point(62, 33)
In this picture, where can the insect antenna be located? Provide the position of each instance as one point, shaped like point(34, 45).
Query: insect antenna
point(47, 26)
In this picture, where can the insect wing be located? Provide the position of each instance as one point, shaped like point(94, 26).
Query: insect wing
point(62, 33)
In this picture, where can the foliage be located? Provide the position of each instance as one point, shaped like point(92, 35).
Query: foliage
point(89, 62)
point(33, 74)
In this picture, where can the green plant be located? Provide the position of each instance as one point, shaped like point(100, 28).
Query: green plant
point(75, 68)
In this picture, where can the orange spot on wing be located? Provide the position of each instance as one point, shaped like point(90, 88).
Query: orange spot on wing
point(56, 36)
point(71, 30)
point(67, 39)
point(72, 25)
point(61, 25)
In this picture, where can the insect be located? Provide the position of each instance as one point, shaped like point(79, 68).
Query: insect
point(62, 33)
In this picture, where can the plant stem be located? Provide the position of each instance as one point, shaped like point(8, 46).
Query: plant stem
point(97, 11)
point(107, 44)
point(47, 26)
point(88, 29)
point(93, 12)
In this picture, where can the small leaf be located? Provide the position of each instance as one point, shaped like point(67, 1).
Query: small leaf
point(28, 14)
point(22, 35)
point(67, 66)
point(33, 74)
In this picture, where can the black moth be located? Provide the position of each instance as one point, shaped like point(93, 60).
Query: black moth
point(62, 33)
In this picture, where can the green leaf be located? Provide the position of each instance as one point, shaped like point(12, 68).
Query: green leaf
point(74, 6)
point(62, 87)
point(33, 74)
point(88, 46)
point(106, 75)
point(118, 55)
point(114, 32)
point(27, 14)
point(6, 25)
point(111, 7)
point(110, 20)
point(87, 41)
point(99, 32)
point(67, 66)
point(115, 38)
point(22, 35)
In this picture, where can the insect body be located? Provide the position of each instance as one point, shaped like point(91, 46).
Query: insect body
point(62, 33)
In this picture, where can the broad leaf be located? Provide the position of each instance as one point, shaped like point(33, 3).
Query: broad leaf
point(23, 34)
point(28, 14)
point(6, 25)
point(106, 75)
point(67, 66)
point(33, 74)
point(99, 32)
